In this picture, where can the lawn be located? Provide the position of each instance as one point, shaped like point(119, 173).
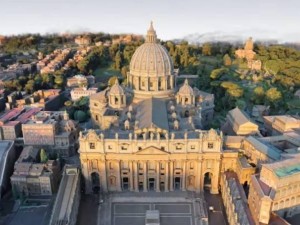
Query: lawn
point(103, 74)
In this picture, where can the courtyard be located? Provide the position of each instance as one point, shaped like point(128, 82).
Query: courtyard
point(176, 208)
point(170, 213)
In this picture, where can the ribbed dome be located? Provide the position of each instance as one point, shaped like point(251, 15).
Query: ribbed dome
point(116, 89)
point(151, 59)
point(186, 89)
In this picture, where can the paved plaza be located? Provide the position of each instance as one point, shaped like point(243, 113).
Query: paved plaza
point(170, 213)
point(175, 208)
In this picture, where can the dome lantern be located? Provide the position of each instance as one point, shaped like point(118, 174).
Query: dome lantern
point(151, 34)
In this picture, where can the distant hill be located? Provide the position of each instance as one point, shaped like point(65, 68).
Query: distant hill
point(217, 36)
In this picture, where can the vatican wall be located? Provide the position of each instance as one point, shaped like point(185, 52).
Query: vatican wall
point(135, 164)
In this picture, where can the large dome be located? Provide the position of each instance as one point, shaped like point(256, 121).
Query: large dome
point(151, 70)
point(151, 59)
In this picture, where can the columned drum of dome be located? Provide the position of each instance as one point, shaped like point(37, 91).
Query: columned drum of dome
point(151, 70)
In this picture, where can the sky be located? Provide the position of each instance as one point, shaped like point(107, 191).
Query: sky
point(275, 19)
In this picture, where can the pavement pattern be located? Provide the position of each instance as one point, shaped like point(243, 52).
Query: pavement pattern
point(127, 213)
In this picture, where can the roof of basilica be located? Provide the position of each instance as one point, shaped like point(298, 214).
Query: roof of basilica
point(151, 59)
point(152, 113)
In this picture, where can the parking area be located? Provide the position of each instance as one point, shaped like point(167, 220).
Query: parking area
point(170, 213)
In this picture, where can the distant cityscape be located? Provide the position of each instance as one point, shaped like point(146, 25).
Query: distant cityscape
point(124, 129)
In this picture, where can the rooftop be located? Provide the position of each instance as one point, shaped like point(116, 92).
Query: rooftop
point(264, 147)
point(153, 113)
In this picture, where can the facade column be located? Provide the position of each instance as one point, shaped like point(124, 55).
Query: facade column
point(119, 188)
point(214, 182)
point(166, 176)
point(183, 175)
point(171, 82)
point(103, 175)
point(147, 84)
point(131, 176)
point(136, 176)
point(166, 83)
point(198, 176)
point(157, 176)
point(171, 175)
point(87, 176)
point(145, 177)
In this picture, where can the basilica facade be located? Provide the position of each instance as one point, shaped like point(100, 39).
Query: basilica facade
point(149, 133)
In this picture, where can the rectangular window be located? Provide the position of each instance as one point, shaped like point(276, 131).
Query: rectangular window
point(210, 145)
point(178, 147)
point(123, 147)
point(92, 145)
point(193, 147)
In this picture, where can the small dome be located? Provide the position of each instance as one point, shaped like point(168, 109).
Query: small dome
point(151, 58)
point(186, 89)
point(116, 89)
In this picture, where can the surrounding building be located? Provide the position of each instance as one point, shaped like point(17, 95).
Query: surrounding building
point(11, 122)
point(248, 54)
point(83, 40)
point(51, 99)
point(7, 160)
point(54, 61)
point(80, 81)
point(66, 204)
point(275, 189)
point(277, 125)
point(32, 177)
point(150, 135)
point(52, 130)
point(239, 123)
point(78, 93)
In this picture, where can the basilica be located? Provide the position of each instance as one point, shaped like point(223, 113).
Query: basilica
point(149, 133)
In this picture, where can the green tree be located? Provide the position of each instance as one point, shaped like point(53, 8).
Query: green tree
point(227, 60)
point(206, 49)
point(259, 91)
point(217, 73)
point(259, 94)
point(29, 87)
point(43, 156)
point(118, 60)
point(233, 89)
point(112, 81)
point(273, 95)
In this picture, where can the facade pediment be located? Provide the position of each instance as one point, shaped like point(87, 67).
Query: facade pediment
point(151, 151)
